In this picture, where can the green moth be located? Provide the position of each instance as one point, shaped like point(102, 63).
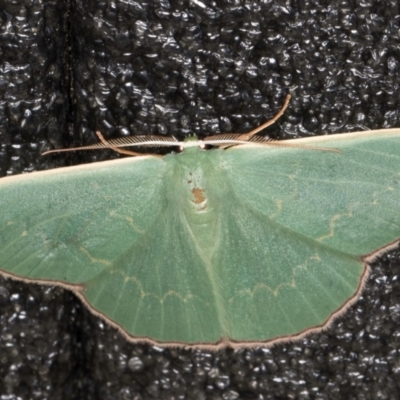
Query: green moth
point(243, 244)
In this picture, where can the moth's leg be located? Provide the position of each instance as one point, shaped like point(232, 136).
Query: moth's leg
point(247, 136)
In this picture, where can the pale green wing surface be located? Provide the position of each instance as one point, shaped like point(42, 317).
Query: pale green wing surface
point(299, 220)
point(348, 200)
point(110, 228)
point(250, 243)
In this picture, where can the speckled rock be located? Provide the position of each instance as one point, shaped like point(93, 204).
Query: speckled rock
point(180, 67)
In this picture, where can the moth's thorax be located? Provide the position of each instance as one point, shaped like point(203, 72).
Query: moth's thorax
point(196, 190)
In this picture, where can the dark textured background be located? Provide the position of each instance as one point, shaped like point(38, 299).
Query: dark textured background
point(125, 67)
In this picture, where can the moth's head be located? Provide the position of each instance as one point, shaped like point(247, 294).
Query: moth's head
point(191, 141)
point(191, 138)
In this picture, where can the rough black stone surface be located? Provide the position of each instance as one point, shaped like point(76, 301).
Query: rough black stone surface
point(34, 103)
point(180, 67)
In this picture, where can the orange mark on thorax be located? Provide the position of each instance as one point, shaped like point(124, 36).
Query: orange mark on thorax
point(199, 198)
point(198, 195)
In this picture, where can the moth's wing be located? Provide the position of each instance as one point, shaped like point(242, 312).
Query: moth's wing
point(105, 231)
point(62, 224)
point(296, 224)
point(344, 195)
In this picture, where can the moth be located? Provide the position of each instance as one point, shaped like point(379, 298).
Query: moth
point(247, 243)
